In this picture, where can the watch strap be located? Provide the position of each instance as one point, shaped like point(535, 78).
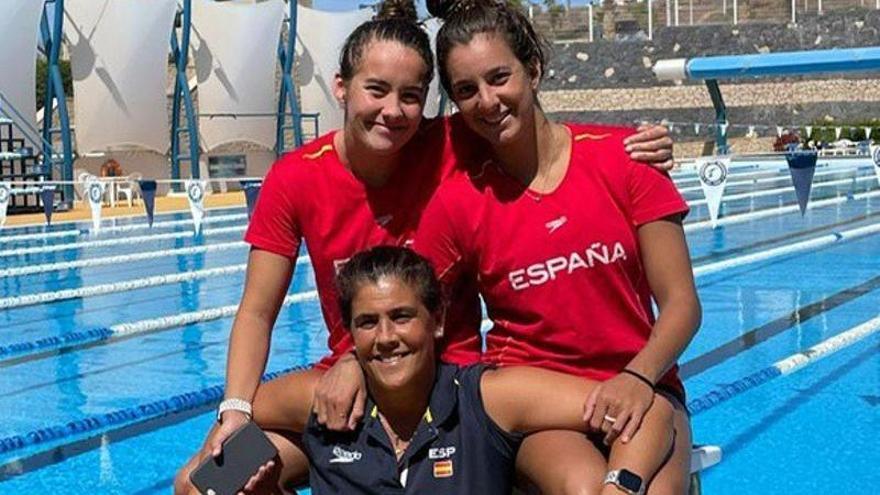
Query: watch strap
point(239, 405)
point(613, 478)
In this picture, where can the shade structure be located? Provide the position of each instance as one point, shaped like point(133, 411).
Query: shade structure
point(19, 28)
point(119, 60)
point(235, 48)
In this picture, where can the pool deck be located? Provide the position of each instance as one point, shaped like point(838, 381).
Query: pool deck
point(164, 204)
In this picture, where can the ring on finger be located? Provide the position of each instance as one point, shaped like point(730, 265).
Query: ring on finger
point(610, 419)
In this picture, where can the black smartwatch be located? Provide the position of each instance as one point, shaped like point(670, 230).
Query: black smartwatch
point(626, 480)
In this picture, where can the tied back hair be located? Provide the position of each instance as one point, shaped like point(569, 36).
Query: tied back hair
point(395, 20)
point(367, 267)
point(464, 19)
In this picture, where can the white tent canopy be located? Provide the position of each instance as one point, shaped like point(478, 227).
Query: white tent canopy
point(235, 50)
point(19, 28)
point(119, 59)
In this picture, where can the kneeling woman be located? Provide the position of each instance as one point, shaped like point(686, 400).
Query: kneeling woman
point(440, 428)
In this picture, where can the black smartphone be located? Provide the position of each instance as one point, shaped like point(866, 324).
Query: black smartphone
point(243, 453)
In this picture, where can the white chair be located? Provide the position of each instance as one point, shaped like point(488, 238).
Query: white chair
point(128, 188)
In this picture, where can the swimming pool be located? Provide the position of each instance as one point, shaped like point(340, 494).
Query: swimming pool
point(112, 346)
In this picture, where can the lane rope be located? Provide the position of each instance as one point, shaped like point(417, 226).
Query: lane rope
point(61, 342)
point(784, 367)
point(119, 228)
point(118, 242)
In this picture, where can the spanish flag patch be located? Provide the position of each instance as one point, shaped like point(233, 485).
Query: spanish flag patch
point(443, 469)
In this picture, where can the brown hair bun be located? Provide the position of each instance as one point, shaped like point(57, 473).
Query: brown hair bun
point(404, 10)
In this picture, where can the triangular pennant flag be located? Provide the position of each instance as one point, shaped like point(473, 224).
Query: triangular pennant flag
point(837, 132)
point(47, 195)
point(148, 192)
point(802, 167)
point(779, 130)
point(95, 194)
point(868, 133)
point(723, 127)
point(195, 193)
point(696, 128)
point(809, 130)
point(5, 196)
point(875, 153)
point(251, 192)
point(713, 177)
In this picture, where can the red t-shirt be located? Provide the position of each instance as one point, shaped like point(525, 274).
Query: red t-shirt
point(310, 195)
point(561, 272)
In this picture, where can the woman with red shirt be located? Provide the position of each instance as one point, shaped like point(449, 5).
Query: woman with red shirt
point(569, 241)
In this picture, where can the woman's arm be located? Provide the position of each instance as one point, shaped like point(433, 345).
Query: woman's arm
point(268, 277)
point(670, 276)
point(526, 399)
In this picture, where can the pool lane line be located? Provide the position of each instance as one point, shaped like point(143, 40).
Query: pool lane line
point(789, 249)
point(124, 285)
point(768, 418)
point(759, 335)
point(87, 222)
point(19, 352)
point(762, 180)
point(781, 190)
point(794, 248)
point(118, 259)
point(775, 240)
point(115, 287)
point(118, 242)
point(119, 228)
point(120, 423)
point(785, 366)
point(776, 211)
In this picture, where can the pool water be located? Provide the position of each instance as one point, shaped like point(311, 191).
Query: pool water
point(91, 405)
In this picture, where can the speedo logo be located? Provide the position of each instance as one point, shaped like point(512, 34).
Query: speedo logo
point(342, 456)
point(540, 273)
point(553, 225)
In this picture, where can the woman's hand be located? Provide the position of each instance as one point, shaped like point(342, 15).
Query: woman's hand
point(651, 145)
point(616, 407)
point(263, 481)
point(341, 395)
point(232, 421)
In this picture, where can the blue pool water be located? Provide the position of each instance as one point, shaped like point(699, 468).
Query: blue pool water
point(811, 431)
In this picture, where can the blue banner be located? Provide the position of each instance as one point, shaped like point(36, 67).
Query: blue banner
point(47, 195)
point(148, 192)
point(251, 192)
point(802, 167)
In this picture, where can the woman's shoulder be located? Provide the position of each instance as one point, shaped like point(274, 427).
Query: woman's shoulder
point(307, 157)
point(594, 136)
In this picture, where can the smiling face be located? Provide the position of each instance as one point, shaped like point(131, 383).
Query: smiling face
point(493, 90)
point(393, 334)
point(384, 98)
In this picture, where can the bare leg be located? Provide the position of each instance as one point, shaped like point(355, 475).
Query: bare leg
point(561, 463)
point(673, 478)
point(648, 449)
point(280, 404)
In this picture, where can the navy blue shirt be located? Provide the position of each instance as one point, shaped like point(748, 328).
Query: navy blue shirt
point(456, 448)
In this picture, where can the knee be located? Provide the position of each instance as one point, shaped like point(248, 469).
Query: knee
point(670, 485)
point(579, 484)
point(182, 484)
